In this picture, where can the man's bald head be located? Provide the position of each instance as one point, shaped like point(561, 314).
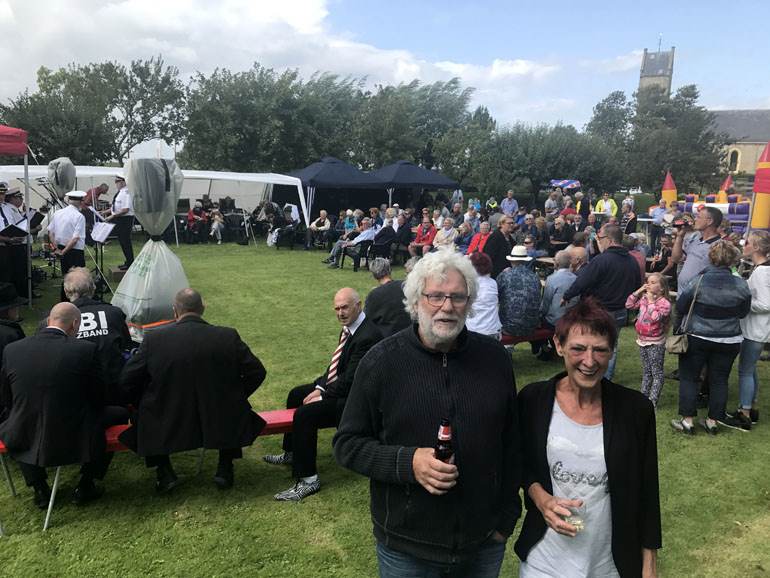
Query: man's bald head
point(188, 301)
point(65, 316)
point(347, 305)
point(578, 257)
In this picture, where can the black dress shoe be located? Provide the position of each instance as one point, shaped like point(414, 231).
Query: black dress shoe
point(224, 477)
point(167, 480)
point(123, 267)
point(86, 492)
point(42, 496)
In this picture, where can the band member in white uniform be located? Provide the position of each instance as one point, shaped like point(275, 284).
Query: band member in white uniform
point(67, 234)
point(122, 215)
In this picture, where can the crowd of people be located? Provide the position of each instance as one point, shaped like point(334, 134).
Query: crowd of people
point(422, 355)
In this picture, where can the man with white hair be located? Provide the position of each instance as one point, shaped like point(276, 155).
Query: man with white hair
point(449, 516)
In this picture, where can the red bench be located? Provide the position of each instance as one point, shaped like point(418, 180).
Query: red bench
point(540, 334)
point(278, 421)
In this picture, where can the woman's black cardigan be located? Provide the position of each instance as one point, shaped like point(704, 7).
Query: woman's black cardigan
point(631, 455)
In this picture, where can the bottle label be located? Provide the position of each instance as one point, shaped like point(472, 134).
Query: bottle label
point(444, 433)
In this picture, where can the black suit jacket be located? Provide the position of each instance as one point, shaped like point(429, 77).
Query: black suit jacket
point(631, 455)
point(191, 382)
point(385, 307)
point(404, 235)
point(498, 247)
point(366, 336)
point(53, 386)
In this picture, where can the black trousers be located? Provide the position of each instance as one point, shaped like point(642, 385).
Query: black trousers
point(225, 457)
point(18, 268)
point(93, 470)
point(73, 258)
point(5, 264)
point(720, 358)
point(308, 419)
point(123, 227)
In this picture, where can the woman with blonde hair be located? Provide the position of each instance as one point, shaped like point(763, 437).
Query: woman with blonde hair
point(755, 328)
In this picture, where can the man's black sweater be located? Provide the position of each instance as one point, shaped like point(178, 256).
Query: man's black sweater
point(610, 277)
point(400, 394)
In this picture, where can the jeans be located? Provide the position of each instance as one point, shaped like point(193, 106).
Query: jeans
point(748, 382)
point(485, 563)
point(620, 316)
point(720, 357)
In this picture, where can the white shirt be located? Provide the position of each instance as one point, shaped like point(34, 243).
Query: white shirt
point(7, 215)
point(123, 200)
point(66, 224)
point(578, 470)
point(485, 318)
point(15, 216)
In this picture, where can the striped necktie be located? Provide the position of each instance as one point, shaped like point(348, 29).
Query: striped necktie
point(331, 375)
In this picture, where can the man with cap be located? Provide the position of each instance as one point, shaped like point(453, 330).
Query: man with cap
point(17, 248)
point(55, 416)
point(6, 220)
point(67, 234)
point(518, 289)
point(122, 215)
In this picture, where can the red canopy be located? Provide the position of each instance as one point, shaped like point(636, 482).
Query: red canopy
point(13, 141)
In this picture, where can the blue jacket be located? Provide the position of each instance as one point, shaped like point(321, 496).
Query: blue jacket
point(723, 299)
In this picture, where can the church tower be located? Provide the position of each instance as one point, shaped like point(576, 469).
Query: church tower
point(657, 70)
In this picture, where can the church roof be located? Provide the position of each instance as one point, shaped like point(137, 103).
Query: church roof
point(744, 125)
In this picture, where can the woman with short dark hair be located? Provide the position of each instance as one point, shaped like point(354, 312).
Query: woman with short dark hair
point(590, 473)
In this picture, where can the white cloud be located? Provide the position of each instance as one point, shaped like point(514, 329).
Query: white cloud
point(200, 35)
point(622, 63)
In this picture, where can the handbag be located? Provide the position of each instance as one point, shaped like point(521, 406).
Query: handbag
point(677, 343)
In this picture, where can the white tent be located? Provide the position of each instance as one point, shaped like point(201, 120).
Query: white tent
point(247, 189)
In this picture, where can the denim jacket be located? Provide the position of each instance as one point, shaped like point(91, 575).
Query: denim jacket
point(722, 300)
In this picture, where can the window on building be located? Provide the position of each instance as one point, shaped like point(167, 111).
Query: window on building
point(733, 161)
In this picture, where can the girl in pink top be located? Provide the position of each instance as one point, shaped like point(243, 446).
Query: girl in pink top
point(651, 299)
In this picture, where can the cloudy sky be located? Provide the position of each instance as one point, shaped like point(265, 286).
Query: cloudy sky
point(529, 61)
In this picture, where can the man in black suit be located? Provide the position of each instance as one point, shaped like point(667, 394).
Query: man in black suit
point(385, 303)
point(52, 385)
point(320, 404)
point(499, 245)
point(191, 383)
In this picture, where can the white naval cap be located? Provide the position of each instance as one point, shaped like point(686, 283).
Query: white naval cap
point(79, 195)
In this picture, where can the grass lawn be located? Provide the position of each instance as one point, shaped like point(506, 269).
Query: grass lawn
point(715, 492)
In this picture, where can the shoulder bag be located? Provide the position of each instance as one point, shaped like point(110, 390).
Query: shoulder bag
point(677, 343)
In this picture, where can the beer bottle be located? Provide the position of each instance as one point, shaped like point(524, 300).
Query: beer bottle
point(444, 450)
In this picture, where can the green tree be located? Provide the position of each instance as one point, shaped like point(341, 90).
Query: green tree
point(611, 120)
point(261, 120)
point(64, 120)
point(99, 112)
point(674, 134)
